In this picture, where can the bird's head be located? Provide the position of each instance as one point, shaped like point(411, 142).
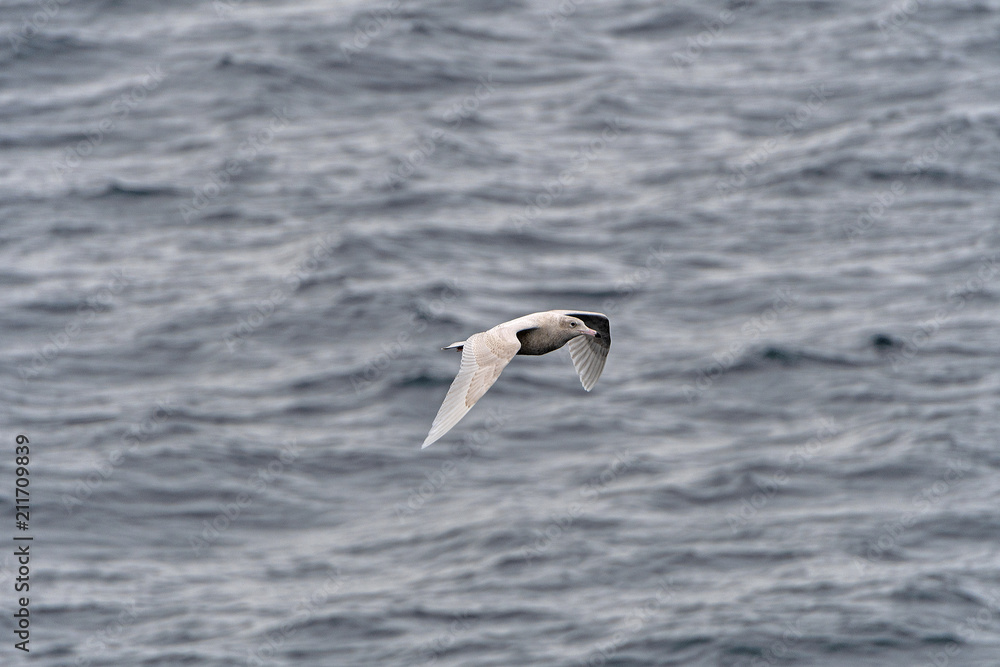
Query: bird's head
point(574, 326)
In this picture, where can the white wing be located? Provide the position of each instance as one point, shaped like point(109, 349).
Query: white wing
point(483, 358)
point(588, 357)
point(590, 353)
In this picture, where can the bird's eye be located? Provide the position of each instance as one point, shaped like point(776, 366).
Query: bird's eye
point(572, 324)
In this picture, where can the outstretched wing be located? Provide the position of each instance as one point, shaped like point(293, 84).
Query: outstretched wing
point(484, 356)
point(590, 352)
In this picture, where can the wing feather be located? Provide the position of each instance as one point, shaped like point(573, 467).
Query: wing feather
point(588, 356)
point(589, 353)
point(484, 357)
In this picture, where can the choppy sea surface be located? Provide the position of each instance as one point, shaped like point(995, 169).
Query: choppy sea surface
point(234, 236)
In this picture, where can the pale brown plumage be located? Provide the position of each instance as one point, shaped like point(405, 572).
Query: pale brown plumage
point(486, 354)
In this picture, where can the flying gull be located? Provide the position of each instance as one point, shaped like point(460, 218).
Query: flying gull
point(484, 356)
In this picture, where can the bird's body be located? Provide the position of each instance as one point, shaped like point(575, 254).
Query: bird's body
point(486, 354)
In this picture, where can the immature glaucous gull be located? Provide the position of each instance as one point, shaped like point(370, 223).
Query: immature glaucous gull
point(484, 356)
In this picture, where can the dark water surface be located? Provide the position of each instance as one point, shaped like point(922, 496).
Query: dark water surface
point(235, 234)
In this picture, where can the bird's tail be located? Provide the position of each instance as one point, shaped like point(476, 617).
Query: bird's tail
point(455, 346)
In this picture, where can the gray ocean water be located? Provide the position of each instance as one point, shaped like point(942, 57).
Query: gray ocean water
point(235, 234)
